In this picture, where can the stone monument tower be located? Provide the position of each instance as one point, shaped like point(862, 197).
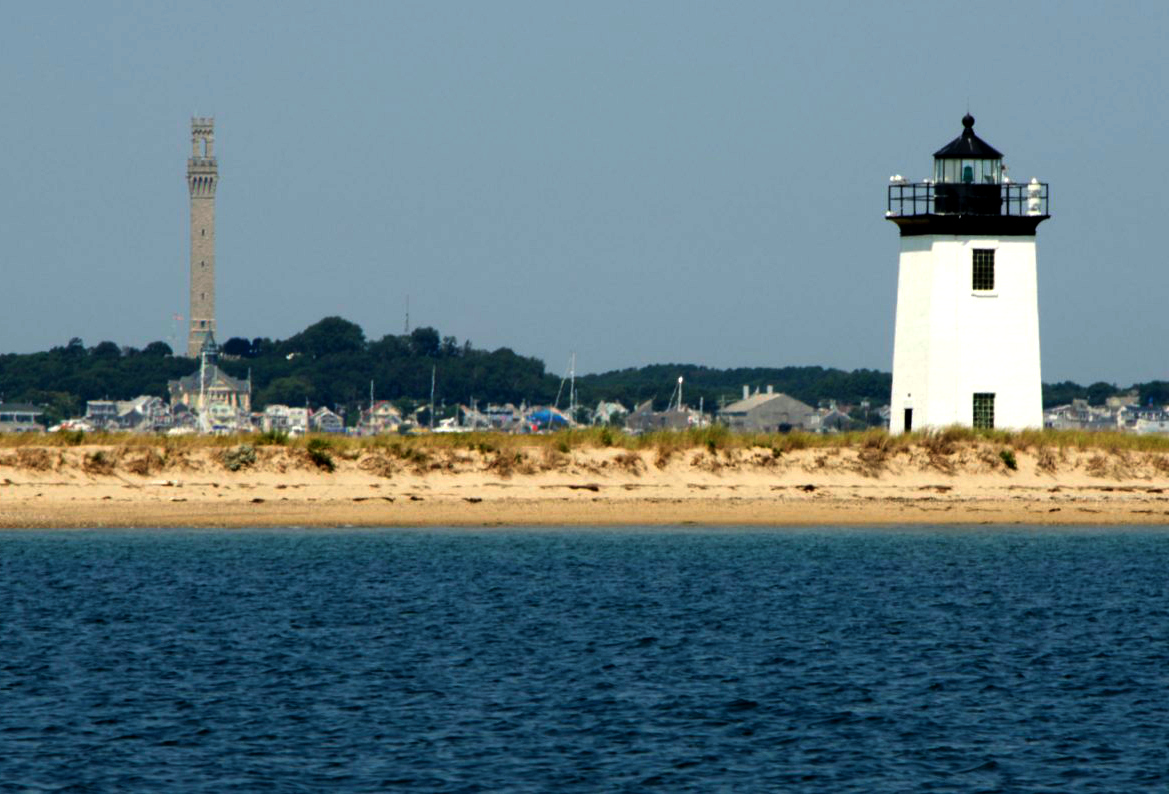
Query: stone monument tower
point(966, 345)
point(202, 177)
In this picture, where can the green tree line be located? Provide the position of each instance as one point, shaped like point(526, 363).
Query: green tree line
point(332, 363)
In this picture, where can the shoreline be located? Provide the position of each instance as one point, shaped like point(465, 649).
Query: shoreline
point(968, 484)
point(549, 513)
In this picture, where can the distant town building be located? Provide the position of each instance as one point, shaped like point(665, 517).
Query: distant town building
point(1152, 421)
point(503, 417)
point(768, 412)
point(325, 421)
point(644, 419)
point(833, 420)
point(1141, 418)
point(274, 419)
point(298, 420)
point(208, 385)
point(144, 414)
point(1118, 401)
point(1080, 416)
point(101, 414)
point(383, 418)
point(20, 418)
point(608, 412)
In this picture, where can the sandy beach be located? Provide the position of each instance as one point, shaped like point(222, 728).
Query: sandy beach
point(143, 486)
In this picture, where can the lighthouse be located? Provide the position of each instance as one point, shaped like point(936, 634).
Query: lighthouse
point(966, 340)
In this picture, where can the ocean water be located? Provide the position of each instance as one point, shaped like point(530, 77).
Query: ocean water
point(832, 660)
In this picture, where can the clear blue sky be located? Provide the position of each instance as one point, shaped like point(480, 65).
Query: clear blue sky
point(638, 182)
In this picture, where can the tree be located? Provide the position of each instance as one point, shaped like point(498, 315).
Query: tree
point(74, 349)
point(287, 391)
point(330, 335)
point(425, 342)
point(106, 350)
point(1100, 391)
point(237, 346)
point(157, 350)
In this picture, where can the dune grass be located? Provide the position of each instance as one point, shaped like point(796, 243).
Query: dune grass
point(665, 442)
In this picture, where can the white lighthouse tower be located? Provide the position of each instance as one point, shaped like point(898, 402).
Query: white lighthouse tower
point(966, 344)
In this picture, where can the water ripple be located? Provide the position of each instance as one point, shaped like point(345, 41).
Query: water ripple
point(459, 661)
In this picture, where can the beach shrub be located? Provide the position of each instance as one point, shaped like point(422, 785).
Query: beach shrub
point(1046, 460)
point(605, 438)
point(272, 438)
point(143, 462)
point(1008, 458)
point(98, 463)
point(631, 462)
point(34, 459)
point(71, 437)
point(239, 458)
point(318, 453)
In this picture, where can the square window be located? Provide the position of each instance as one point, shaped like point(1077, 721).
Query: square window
point(983, 268)
point(984, 410)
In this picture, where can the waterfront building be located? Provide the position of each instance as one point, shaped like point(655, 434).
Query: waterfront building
point(384, 418)
point(145, 413)
point(644, 419)
point(202, 179)
point(325, 421)
point(768, 412)
point(20, 418)
point(966, 344)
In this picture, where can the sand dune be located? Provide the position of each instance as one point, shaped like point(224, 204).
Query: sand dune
point(968, 482)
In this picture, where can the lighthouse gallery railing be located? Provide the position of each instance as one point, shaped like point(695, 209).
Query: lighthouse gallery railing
point(918, 198)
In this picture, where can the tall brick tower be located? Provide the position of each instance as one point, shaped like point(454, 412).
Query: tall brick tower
point(202, 177)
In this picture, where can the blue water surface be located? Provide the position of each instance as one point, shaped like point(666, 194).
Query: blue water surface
point(830, 660)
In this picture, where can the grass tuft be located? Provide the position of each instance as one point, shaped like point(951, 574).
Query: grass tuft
point(318, 450)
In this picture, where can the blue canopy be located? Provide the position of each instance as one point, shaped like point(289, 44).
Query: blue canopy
point(546, 417)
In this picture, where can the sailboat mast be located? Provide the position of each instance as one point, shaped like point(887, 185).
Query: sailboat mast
point(432, 371)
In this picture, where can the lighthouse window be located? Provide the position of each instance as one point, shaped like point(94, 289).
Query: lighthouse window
point(983, 268)
point(979, 172)
point(984, 410)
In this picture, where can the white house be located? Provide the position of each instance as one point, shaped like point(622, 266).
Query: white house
point(325, 421)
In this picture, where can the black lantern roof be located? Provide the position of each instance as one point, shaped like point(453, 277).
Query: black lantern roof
point(968, 146)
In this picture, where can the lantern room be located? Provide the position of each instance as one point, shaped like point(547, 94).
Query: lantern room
point(968, 160)
point(969, 193)
point(967, 174)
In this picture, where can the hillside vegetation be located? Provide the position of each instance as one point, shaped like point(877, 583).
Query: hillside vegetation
point(332, 363)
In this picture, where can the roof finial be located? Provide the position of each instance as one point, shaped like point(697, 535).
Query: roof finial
point(968, 124)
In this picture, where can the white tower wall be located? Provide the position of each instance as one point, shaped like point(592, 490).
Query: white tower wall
point(952, 341)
